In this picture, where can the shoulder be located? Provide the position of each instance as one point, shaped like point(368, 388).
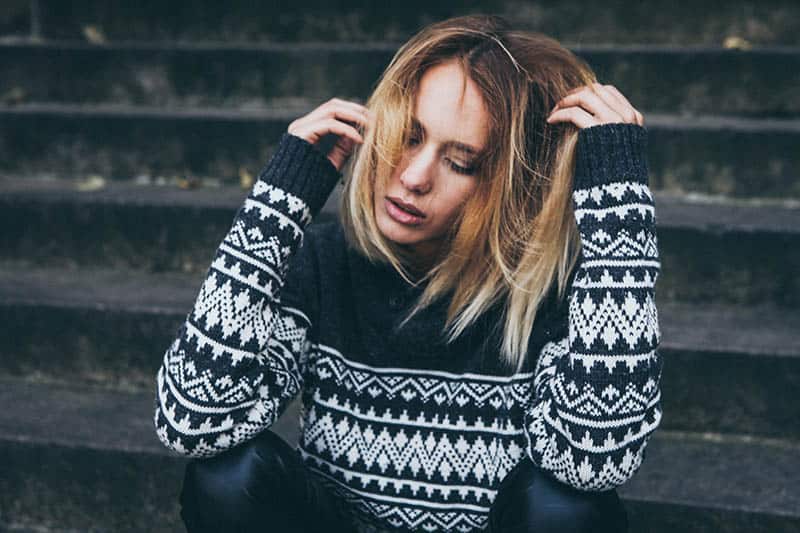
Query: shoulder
point(315, 263)
point(323, 246)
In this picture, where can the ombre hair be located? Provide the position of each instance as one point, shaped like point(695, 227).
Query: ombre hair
point(516, 235)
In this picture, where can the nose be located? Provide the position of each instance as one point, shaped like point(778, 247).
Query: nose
point(418, 174)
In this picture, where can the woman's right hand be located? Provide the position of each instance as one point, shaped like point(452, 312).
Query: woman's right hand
point(336, 117)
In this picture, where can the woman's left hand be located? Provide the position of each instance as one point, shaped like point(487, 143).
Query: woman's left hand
point(585, 107)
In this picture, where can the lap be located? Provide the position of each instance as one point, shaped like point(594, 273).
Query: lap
point(261, 484)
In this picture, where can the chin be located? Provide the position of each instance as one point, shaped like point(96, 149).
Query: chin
point(397, 233)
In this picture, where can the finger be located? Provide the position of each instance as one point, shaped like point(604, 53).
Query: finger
point(316, 130)
point(338, 104)
point(592, 103)
point(337, 108)
point(577, 115)
point(614, 95)
point(618, 95)
point(340, 151)
point(346, 143)
point(354, 105)
point(638, 118)
point(623, 109)
point(352, 112)
point(336, 111)
point(342, 101)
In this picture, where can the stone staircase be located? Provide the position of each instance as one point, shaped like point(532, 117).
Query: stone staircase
point(129, 132)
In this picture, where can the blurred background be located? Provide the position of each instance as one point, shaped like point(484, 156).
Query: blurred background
point(130, 132)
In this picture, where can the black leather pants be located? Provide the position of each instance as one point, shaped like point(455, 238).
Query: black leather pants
point(263, 486)
point(259, 486)
point(529, 500)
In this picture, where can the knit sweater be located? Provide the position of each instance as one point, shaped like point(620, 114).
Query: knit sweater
point(410, 432)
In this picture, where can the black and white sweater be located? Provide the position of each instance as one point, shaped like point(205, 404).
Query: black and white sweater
point(412, 433)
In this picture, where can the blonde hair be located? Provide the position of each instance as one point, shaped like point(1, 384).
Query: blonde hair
point(516, 235)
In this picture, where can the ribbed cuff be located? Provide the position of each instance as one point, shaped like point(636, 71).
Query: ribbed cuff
point(299, 168)
point(611, 152)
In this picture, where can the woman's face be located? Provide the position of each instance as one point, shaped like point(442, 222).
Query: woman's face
point(436, 172)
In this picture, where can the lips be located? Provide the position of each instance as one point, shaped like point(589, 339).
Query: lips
point(407, 207)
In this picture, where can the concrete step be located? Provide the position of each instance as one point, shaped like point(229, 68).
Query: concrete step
point(16, 528)
point(661, 78)
point(727, 368)
point(83, 458)
point(712, 248)
point(239, 20)
point(89, 459)
point(703, 482)
point(730, 369)
point(737, 157)
point(122, 142)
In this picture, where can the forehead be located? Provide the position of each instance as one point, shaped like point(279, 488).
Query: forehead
point(451, 108)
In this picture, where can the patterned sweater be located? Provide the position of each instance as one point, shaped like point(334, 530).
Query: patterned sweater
point(412, 433)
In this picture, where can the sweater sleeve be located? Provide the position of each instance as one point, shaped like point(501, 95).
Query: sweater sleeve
point(240, 356)
point(597, 389)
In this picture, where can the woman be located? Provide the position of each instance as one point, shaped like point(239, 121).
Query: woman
point(474, 338)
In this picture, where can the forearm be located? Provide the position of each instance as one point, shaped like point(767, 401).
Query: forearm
point(597, 390)
point(236, 361)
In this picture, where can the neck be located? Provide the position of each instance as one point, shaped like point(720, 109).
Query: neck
point(424, 256)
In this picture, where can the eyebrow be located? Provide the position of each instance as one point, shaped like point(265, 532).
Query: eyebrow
point(455, 144)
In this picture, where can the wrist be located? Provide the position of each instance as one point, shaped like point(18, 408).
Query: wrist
point(611, 152)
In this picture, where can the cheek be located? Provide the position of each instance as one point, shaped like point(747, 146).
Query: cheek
point(377, 191)
point(463, 197)
point(453, 209)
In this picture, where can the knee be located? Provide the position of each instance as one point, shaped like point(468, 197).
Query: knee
point(532, 500)
point(231, 488)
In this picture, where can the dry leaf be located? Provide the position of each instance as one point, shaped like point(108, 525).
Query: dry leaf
point(15, 95)
point(91, 183)
point(188, 183)
point(734, 42)
point(245, 178)
point(93, 34)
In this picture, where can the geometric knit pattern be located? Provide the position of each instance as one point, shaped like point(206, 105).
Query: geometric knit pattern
point(417, 448)
point(597, 391)
point(430, 457)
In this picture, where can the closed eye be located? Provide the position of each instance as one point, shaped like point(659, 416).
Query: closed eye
point(460, 169)
point(413, 141)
